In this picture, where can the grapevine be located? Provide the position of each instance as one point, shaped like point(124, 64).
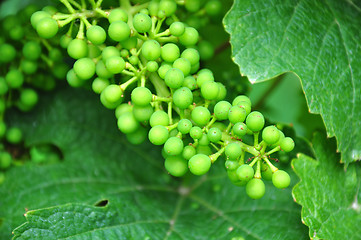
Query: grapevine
point(145, 64)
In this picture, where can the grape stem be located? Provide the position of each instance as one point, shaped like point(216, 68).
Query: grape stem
point(273, 168)
point(273, 150)
point(258, 170)
point(216, 155)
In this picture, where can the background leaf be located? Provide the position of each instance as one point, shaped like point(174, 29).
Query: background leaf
point(330, 196)
point(319, 41)
point(143, 201)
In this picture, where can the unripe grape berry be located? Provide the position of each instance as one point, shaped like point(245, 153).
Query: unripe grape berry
point(188, 152)
point(192, 55)
point(183, 97)
point(14, 135)
point(127, 123)
point(206, 150)
point(222, 93)
point(14, 78)
point(84, 68)
point(96, 34)
point(115, 64)
point(190, 82)
point(129, 43)
point(102, 71)
point(163, 69)
point(8, 52)
point(245, 105)
point(174, 78)
point(204, 141)
point(137, 137)
point(241, 98)
point(270, 135)
point(183, 64)
point(267, 174)
point(287, 144)
point(199, 164)
point(143, 113)
point(281, 137)
point(213, 7)
point(214, 134)
point(119, 31)
point(203, 76)
point(28, 97)
point(255, 121)
point(152, 66)
point(233, 151)
point(159, 118)
point(77, 49)
point(168, 6)
point(141, 96)
point(118, 15)
point(173, 146)
point(32, 50)
point(184, 126)
point(206, 50)
point(245, 172)
point(37, 16)
point(239, 129)
point(99, 84)
point(158, 135)
point(231, 165)
point(177, 29)
point(170, 52)
point(73, 80)
point(196, 132)
point(281, 179)
point(189, 37)
point(113, 93)
point(236, 114)
point(176, 165)
point(142, 22)
point(201, 116)
point(255, 188)
point(123, 108)
point(3, 86)
point(151, 50)
point(47, 28)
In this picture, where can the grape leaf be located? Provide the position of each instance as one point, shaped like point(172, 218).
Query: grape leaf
point(107, 188)
point(317, 40)
point(329, 195)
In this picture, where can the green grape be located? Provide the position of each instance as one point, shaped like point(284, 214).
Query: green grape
point(204, 149)
point(189, 37)
point(127, 123)
point(159, 118)
point(174, 78)
point(176, 165)
point(168, 6)
point(32, 50)
point(113, 94)
point(267, 174)
point(196, 132)
point(119, 31)
point(177, 29)
point(245, 105)
point(144, 11)
point(153, 7)
point(28, 97)
point(204, 140)
point(3, 129)
point(123, 108)
point(233, 151)
point(239, 129)
point(201, 116)
point(236, 114)
point(37, 16)
point(142, 22)
point(137, 137)
point(193, 5)
point(141, 96)
point(161, 14)
point(115, 64)
point(182, 97)
point(14, 135)
point(47, 28)
point(255, 188)
point(173, 132)
point(205, 75)
point(50, 9)
point(93, 51)
point(199, 164)
point(184, 126)
point(151, 50)
point(102, 71)
point(73, 80)
point(29, 67)
point(14, 78)
point(245, 172)
point(270, 135)
point(213, 7)
point(5, 160)
point(287, 144)
point(55, 54)
point(8, 53)
point(129, 43)
point(214, 134)
point(16, 33)
point(210, 90)
point(241, 98)
point(158, 135)
point(109, 52)
point(118, 15)
point(77, 49)
point(84, 68)
point(190, 82)
point(170, 52)
point(281, 137)
point(189, 152)
point(206, 50)
point(142, 113)
point(255, 121)
point(163, 69)
point(192, 55)
point(96, 34)
point(231, 165)
point(65, 41)
point(173, 146)
point(99, 84)
point(183, 64)
point(281, 179)
point(2, 106)
point(220, 125)
point(152, 66)
point(222, 93)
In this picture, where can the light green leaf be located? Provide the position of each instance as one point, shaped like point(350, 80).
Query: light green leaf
point(330, 196)
point(317, 40)
point(143, 202)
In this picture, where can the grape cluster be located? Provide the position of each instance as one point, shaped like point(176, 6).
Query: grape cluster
point(28, 64)
point(145, 64)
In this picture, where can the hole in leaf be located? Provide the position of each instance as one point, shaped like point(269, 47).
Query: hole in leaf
point(102, 203)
